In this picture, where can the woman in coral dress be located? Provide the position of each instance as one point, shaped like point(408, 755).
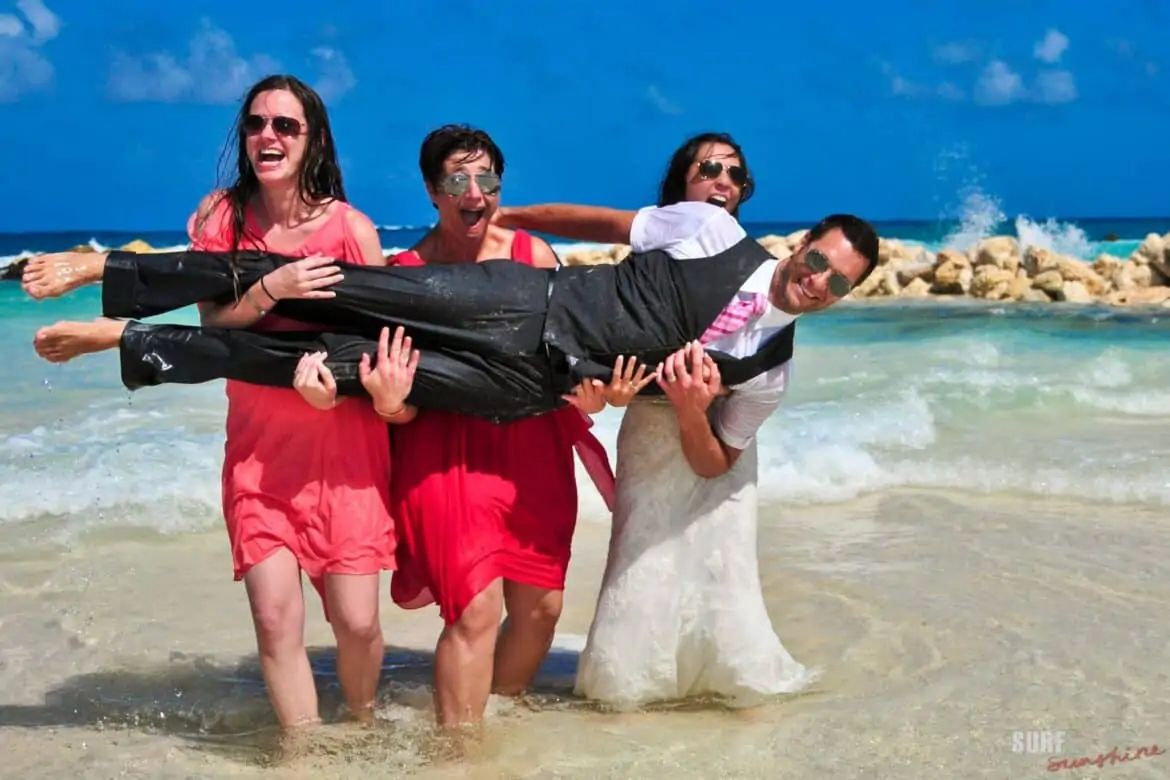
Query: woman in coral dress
point(303, 490)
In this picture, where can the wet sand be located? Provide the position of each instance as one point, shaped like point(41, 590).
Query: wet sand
point(942, 622)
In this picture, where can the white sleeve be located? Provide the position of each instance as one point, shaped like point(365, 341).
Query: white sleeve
point(655, 228)
point(740, 415)
point(685, 230)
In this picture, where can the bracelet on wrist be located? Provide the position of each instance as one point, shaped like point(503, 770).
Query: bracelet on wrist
point(264, 287)
point(390, 415)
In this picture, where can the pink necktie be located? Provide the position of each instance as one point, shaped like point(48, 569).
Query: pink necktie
point(736, 315)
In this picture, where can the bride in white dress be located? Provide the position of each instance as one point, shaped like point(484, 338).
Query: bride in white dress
point(681, 611)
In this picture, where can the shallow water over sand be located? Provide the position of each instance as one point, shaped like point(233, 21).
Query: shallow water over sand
point(942, 623)
point(929, 540)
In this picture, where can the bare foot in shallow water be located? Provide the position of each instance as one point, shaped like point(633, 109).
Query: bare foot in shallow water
point(64, 341)
point(54, 274)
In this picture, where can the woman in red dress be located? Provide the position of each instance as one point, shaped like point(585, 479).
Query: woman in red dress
point(485, 513)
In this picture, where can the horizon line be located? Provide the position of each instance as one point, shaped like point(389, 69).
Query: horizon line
point(797, 221)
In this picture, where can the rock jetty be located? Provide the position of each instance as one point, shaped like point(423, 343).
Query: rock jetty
point(995, 269)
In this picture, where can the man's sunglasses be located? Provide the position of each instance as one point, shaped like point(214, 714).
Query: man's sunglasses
point(710, 169)
point(455, 184)
point(816, 262)
point(281, 125)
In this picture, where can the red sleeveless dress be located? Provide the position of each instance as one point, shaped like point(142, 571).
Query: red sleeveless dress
point(315, 482)
point(475, 501)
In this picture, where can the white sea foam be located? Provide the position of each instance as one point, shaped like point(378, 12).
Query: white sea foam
point(1011, 408)
point(1029, 406)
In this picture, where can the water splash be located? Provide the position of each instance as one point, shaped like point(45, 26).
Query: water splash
point(978, 213)
point(979, 217)
point(1061, 237)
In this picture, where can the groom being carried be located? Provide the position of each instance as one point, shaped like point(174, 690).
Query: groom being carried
point(498, 340)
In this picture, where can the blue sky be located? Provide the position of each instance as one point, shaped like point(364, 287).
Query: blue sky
point(115, 112)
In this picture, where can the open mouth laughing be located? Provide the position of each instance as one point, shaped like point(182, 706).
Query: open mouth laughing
point(471, 217)
point(269, 158)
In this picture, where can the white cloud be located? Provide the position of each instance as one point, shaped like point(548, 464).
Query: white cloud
point(904, 87)
point(213, 71)
point(956, 52)
point(150, 77)
point(336, 76)
point(11, 26)
point(661, 102)
point(1051, 47)
point(46, 25)
point(1054, 87)
point(998, 85)
point(23, 66)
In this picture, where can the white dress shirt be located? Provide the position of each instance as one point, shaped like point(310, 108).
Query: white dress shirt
point(696, 229)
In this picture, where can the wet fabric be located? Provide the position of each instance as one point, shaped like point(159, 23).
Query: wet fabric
point(475, 502)
point(499, 340)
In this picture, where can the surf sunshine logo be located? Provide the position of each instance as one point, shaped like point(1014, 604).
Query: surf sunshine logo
point(1110, 758)
point(1050, 742)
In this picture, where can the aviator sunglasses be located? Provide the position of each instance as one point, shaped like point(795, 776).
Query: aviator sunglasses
point(455, 184)
point(816, 262)
point(281, 125)
point(710, 169)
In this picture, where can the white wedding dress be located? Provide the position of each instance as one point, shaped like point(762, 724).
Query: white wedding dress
point(681, 611)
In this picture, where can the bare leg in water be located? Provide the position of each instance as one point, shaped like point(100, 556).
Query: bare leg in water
point(52, 275)
point(353, 607)
point(352, 598)
point(525, 637)
point(63, 341)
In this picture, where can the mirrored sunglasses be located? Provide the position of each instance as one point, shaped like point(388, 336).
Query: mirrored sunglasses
point(839, 284)
point(456, 184)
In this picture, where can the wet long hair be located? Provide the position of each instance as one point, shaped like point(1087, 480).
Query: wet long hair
point(674, 184)
point(320, 175)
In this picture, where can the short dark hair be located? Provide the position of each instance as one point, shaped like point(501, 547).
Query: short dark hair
point(858, 232)
point(673, 188)
point(444, 141)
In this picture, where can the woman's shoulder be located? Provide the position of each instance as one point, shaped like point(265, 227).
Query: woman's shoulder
point(210, 217)
point(357, 221)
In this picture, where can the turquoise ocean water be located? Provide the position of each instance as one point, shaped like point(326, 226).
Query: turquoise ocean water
point(990, 399)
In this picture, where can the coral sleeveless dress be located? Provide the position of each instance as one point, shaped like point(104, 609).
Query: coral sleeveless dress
point(315, 482)
point(476, 501)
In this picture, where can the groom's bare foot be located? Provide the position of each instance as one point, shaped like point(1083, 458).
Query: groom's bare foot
point(54, 274)
point(64, 341)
